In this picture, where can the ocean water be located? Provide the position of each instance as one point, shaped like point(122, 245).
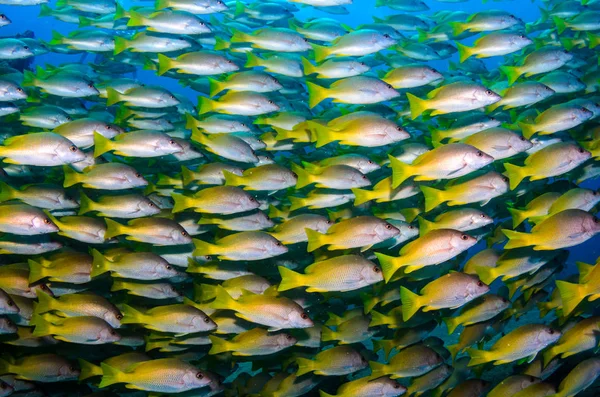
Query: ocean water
point(271, 329)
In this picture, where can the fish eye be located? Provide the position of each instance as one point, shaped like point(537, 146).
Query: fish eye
point(199, 375)
point(25, 47)
point(389, 86)
point(362, 64)
point(2, 16)
point(304, 316)
point(73, 148)
point(464, 237)
point(207, 319)
point(482, 215)
point(119, 316)
point(243, 125)
point(252, 199)
point(479, 154)
point(168, 267)
point(480, 283)
point(68, 118)
point(369, 162)
point(10, 303)
point(410, 227)
point(172, 96)
point(113, 333)
point(504, 300)
point(305, 40)
point(505, 178)
point(580, 150)
point(364, 177)
point(271, 103)
point(489, 92)
point(208, 257)
point(387, 36)
point(376, 269)
point(522, 139)
point(138, 175)
point(184, 234)
point(91, 85)
point(396, 385)
point(388, 226)
point(551, 331)
point(44, 287)
point(108, 127)
point(329, 222)
point(278, 244)
point(398, 128)
point(46, 221)
point(288, 337)
point(294, 175)
point(171, 142)
point(72, 368)
point(151, 204)
point(19, 89)
point(596, 220)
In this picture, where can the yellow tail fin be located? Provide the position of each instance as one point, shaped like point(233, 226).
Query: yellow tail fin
point(410, 303)
point(316, 94)
point(289, 279)
point(417, 105)
point(515, 174)
point(516, 239)
point(315, 239)
point(433, 197)
point(101, 144)
point(164, 64)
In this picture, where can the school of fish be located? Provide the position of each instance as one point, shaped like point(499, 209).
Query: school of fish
point(333, 216)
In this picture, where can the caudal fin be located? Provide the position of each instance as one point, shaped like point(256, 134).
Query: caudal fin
point(304, 366)
point(478, 357)
point(316, 94)
point(218, 345)
point(515, 174)
point(389, 265)
point(113, 229)
point(361, 196)
point(202, 248)
point(322, 133)
point(570, 294)
point(315, 239)
point(400, 171)
point(512, 73)
point(88, 370)
point(417, 105)
point(36, 271)
point(464, 52)
point(518, 216)
point(433, 197)
point(528, 130)
point(7, 192)
point(289, 279)
point(45, 303)
point(164, 64)
point(410, 303)
point(131, 315)
point(110, 376)
point(181, 202)
point(100, 264)
point(451, 324)
point(304, 177)
point(377, 369)
point(101, 144)
point(72, 177)
point(321, 52)
point(516, 239)
point(487, 274)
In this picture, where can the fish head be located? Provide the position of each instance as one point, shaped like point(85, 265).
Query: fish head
point(547, 336)
point(227, 65)
point(267, 105)
point(179, 236)
point(407, 231)
point(396, 133)
point(461, 241)
point(385, 230)
point(476, 287)
point(367, 165)
point(194, 378)
point(485, 96)
point(146, 207)
point(582, 113)
point(67, 370)
point(108, 335)
point(167, 99)
point(477, 159)
point(8, 305)
point(16, 92)
point(322, 225)
point(390, 388)
point(21, 50)
point(501, 303)
point(203, 322)
point(542, 91)
point(591, 224)
point(521, 41)
point(297, 318)
point(275, 247)
point(431, 75)
point(108, 130)
point(519, 143)
point(528, 381)
point(113, 318)
point(577, 154)
point(42, 224)
point(386, 91)
point(7, 326)
point(371, 273)
point(168, 145)
point(5, 389)
point(285, 340)
point(480, 219)
point(591, 198)
point(358, 179)
point(68, 153)
point(133, 178)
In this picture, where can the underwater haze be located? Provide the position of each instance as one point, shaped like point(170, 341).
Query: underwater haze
point(353, 198)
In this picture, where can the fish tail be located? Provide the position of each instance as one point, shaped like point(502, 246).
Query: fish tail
point(486, 274)
point(417, 105)
point(385, 345)
point(5, 366)
point(570, 294)
point(323, 394)
point(296, 203)
point(593, 40)
point(316, 94)
point(45, 302)
point(218, 345)
point(120, 12)
point(528, 130)
point(516, 239)
point(289, 278)
point(135, 18)
point(478, 356)
point(308, 67)
point(410, 303)
point(232, 179)
point(222, 44)
point(202, 248)
point(515, 174)
point(204, 292)
point(361, 196)
point(464, 52)
point(118, 285)
point(161, 4)
point(57, 38)
point(304, 366)
point(205, 105)
point(400, 171)
point(197, 135)
point(36, 271)
point(323, 134)
point(433, 197)
point(7, 192)
point(275, 212)
point(369, 302)
point(215, 86)
point(45, 11)
point(377, 369)
point(29, 79)
point(190, 121)
point(131, 315)
point(239, 36)
point(223, 301)
point(72, 177)
point(100, 264)
point(327, 334)
point(378, 318)
point(454, 350)
point(320, 52)
point(560, 24)
point(315, 239)
point(239, 9)
point(42, 327)
point(164, 64)
point(113, 229)
point(458, 28)
point(451, 324)
point(252, 61)
point(181, 202)
point(422, 35)
point(304, 177)
point(389, 265)
point(512, 73)
point(425, 226)
point(110, 376)
point(88, 370)
point(548, 355)
point(112, 96)
point(101, 144)
point(121, 44)
point(544, 309)
point(518, 216)
point(150, 65)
